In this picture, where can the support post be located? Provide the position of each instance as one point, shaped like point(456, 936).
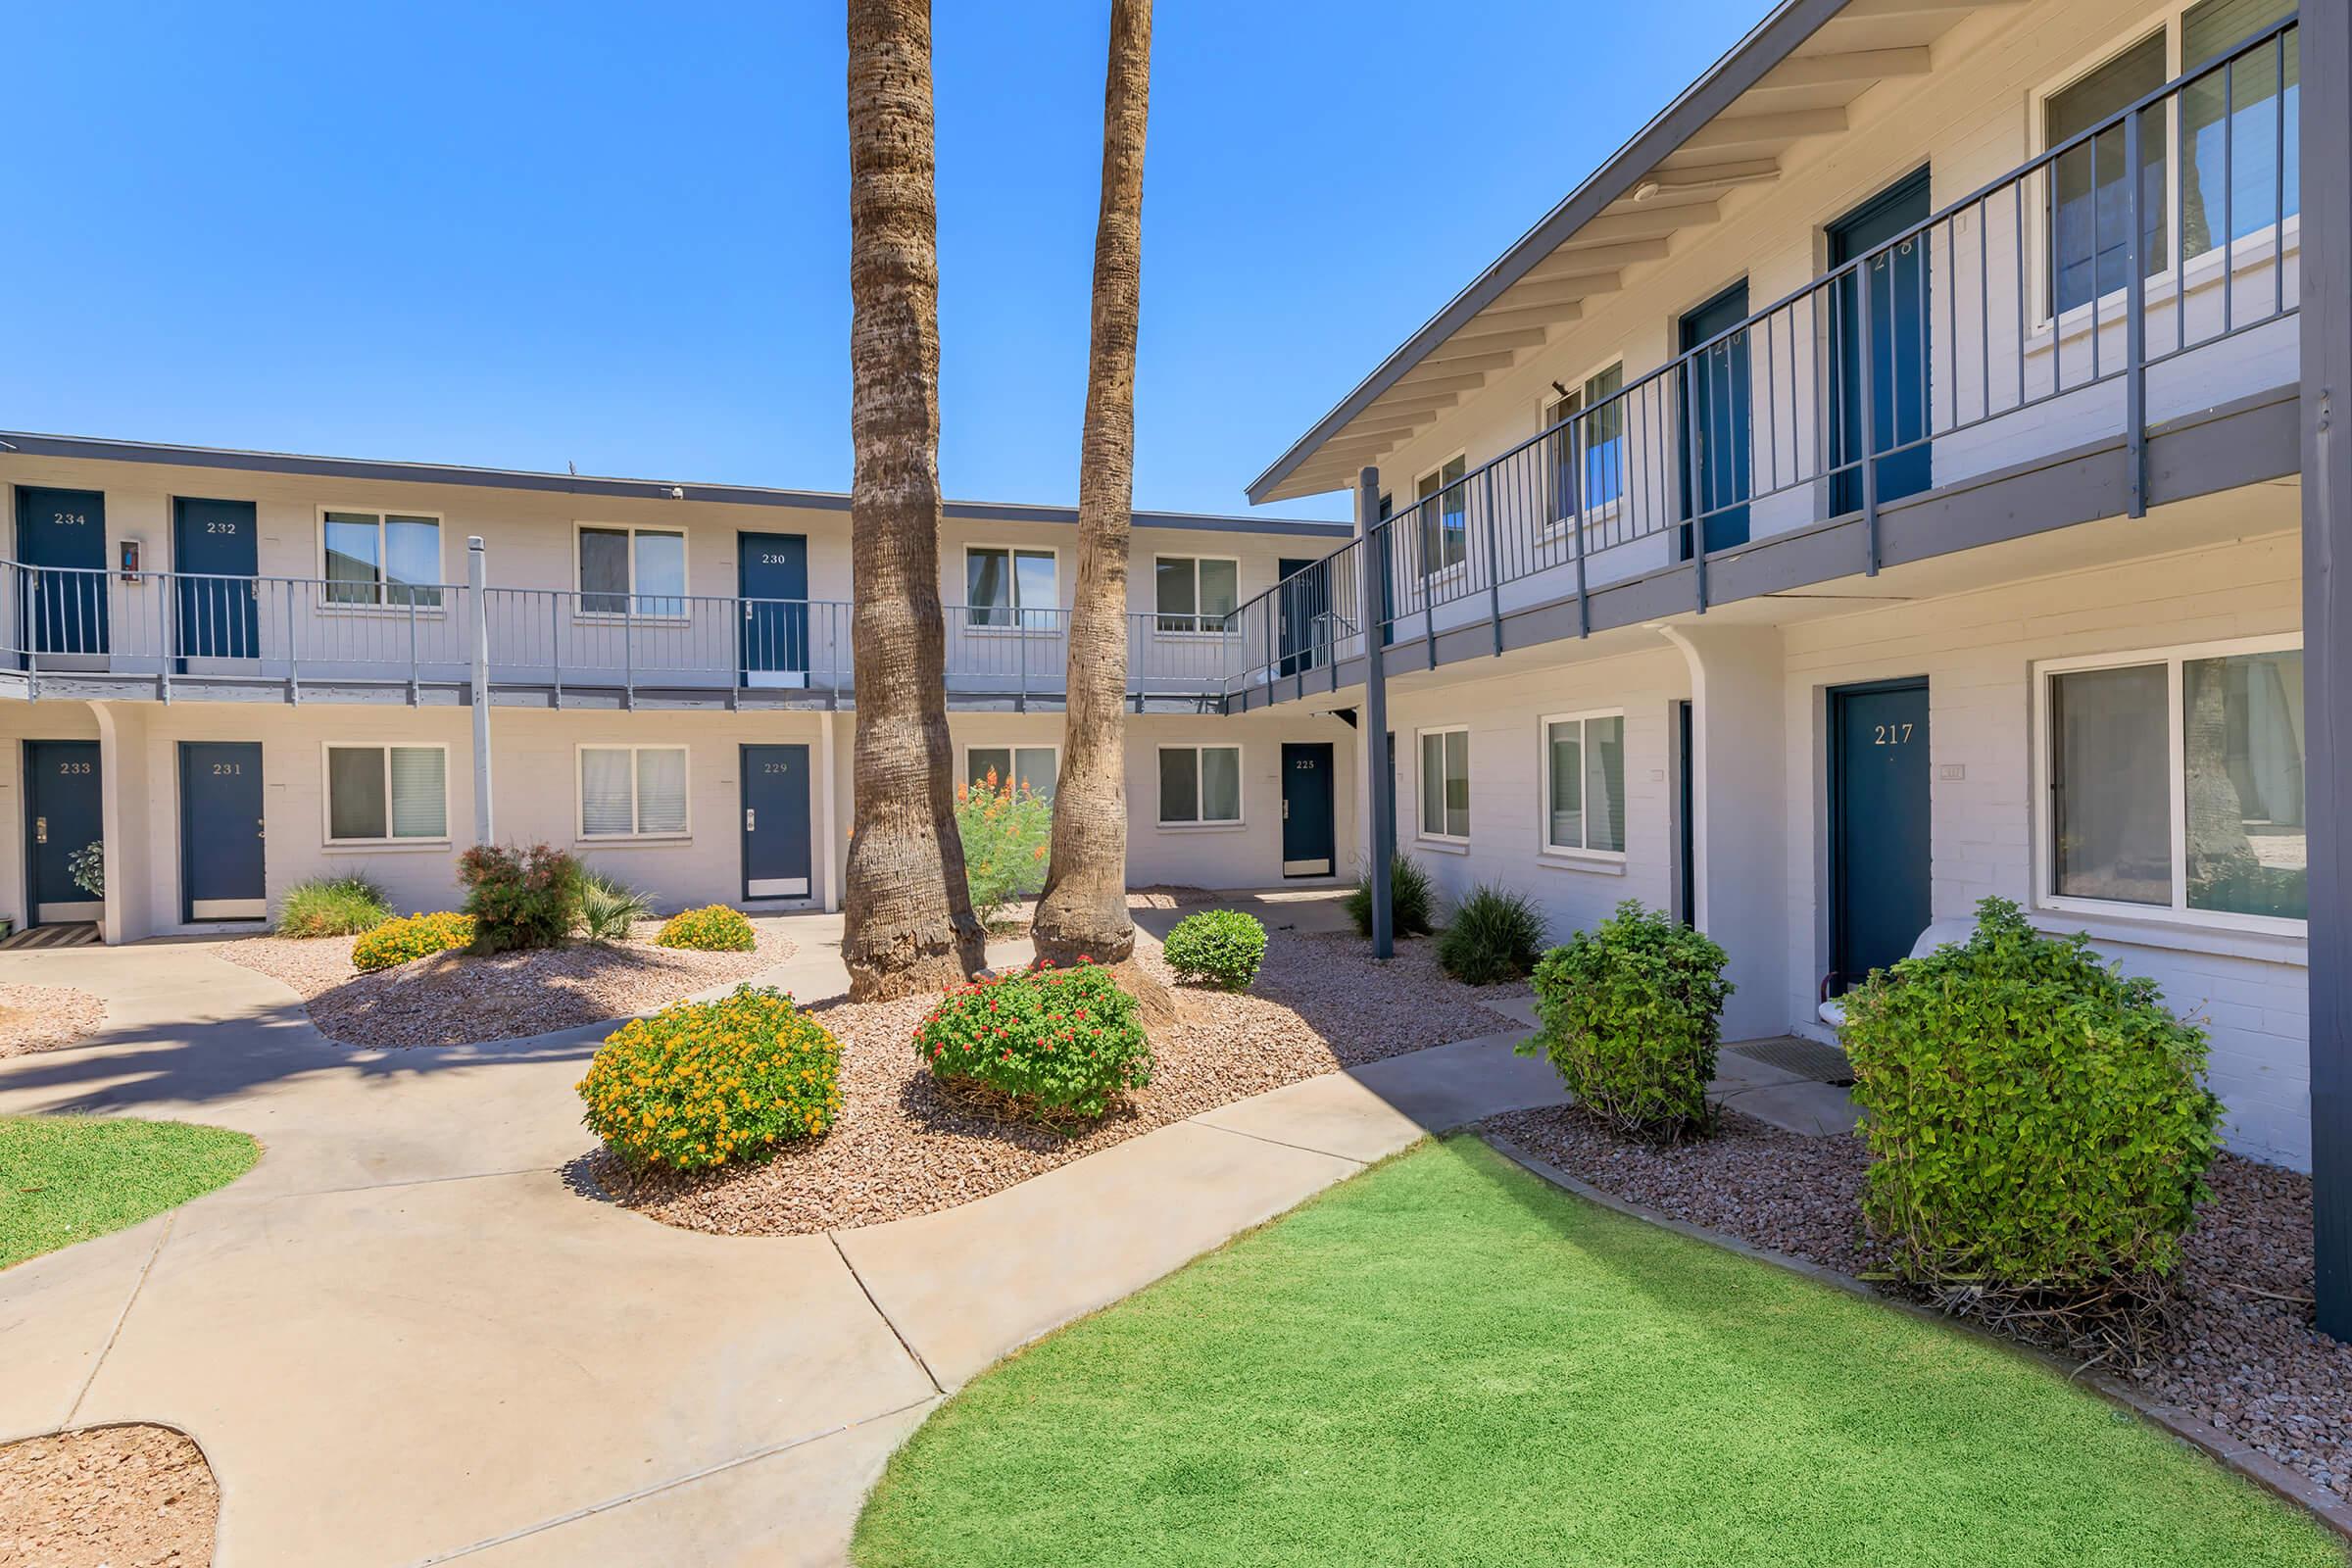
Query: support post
point(1869, 405)
point(1493, 562)
point(477, 582)
point(1375, 733)
point(2136, 328)
point(2327, 371)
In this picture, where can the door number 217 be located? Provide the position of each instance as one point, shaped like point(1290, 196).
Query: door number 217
point(1891, 734)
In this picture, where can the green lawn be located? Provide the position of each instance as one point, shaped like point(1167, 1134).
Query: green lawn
point(64, 1179)
point(1448, 1360)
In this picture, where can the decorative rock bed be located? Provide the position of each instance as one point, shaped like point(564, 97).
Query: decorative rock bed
point(453, 999)
point(126, 1497)
point(2240, 1352)
point(904, 1144)
point(46, 1018)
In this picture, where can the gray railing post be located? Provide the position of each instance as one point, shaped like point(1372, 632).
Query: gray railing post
point(293, 651)
point(1020, 651)
point(171, 619)
point(1695, 500)
point(413, 642)
point(1493, 562)
point(1870, 410)
point(477, 583)
point(1579, 439)
point(554, 644)
point(32, 654)
point(1429, 579)
point(628, 651)
point(2135, 304)
point(1375, 733)
point(1269, 602)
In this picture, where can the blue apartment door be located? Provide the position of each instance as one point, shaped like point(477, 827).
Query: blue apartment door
point(1879, 828)
point(1894, 291)
point(216, 555)
point(221, 872)
point(775, 822)
point(1308, 843)
point(772, 578)
point(64, 813)
point(1715, 418)
point(1299, 608)
point(64, 610)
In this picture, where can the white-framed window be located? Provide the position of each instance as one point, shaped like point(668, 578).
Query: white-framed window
point(1010, 585)
point(1446, 784)
point(1602, 480)
point(1443, 508)
point(632, 792)
point(1030, 768)
point(386, 794)
point(2230, 183)
point(1584, 783)
point(381, 558)
point(1200, 785)
point(1195, 593)
point(628, 570)
point(2172, 784)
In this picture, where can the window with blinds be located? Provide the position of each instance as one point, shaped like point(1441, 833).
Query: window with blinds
point(386, 794)
point(632, 791)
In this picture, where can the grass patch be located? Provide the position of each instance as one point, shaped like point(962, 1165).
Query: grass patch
point(64, 1179)
point(342, 905)
point(1449, 1360)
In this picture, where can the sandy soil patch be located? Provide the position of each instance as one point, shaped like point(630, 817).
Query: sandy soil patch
point(132, 1496)
point(905, 1145)
point(46, 1018)
point(2240, 1350)
point(453, 1000)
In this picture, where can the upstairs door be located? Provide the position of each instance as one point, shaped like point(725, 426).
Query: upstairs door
point(772, 578)
point(1299, 608)
point(1880, 840)
point(776, 858)
point(216, 556)
point(64, 608)
point(1893, 290)
point(65, 814)
point(221, 872)
point(1714, 422)
point(1308, 839)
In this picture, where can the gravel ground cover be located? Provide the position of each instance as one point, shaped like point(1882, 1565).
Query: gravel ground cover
point(2240, 1350)
point(46, 1018)
point(904, 1144)
point(454, 1000)
point(134, 1497)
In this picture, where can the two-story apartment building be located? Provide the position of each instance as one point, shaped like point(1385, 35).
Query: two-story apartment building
point(237, 670)
point(1875, 488)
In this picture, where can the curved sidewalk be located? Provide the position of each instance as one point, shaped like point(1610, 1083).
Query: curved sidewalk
point(402, 1341)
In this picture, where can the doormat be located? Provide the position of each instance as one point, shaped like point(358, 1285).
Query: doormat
point(1807, 1058)
point(75, 934)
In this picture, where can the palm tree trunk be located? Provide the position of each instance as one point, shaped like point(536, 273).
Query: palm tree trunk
point(907, 911)
point(1083, 911)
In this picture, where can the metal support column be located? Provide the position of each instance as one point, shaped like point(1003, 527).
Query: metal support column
point(2327, 350)
point(2136, 328)
point(1376, 717)
point(477, 582)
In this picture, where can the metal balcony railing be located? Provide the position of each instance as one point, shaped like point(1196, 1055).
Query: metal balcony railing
point(2020, 320)
point(159, 628)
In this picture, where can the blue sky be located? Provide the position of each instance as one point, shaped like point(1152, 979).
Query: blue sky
point(617, 235)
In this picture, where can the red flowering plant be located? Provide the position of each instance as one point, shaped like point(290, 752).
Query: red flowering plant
point(1057, 1043)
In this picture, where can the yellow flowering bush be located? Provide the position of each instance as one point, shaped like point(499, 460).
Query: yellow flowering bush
point(411, 937)
point(1007, 830)
point(713, 928)
point(706, 1083)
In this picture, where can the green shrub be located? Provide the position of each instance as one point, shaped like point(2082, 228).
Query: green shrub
point(332, 907)
point(1495, 935)
point(2036, 1120)
point(1629, 1013)
point(702, 1083)
point(1057, 1043)
point(411, 937)
point(1222, 946)
point(520, 898)
point(713, 928)
point(1412, 898)
point(1008, 831)
point(610, 909)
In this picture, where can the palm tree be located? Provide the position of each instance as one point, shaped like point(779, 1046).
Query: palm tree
point(907, 913)
point(1083, 911)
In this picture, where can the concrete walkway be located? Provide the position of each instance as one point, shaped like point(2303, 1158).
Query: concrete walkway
point(400, 1340)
